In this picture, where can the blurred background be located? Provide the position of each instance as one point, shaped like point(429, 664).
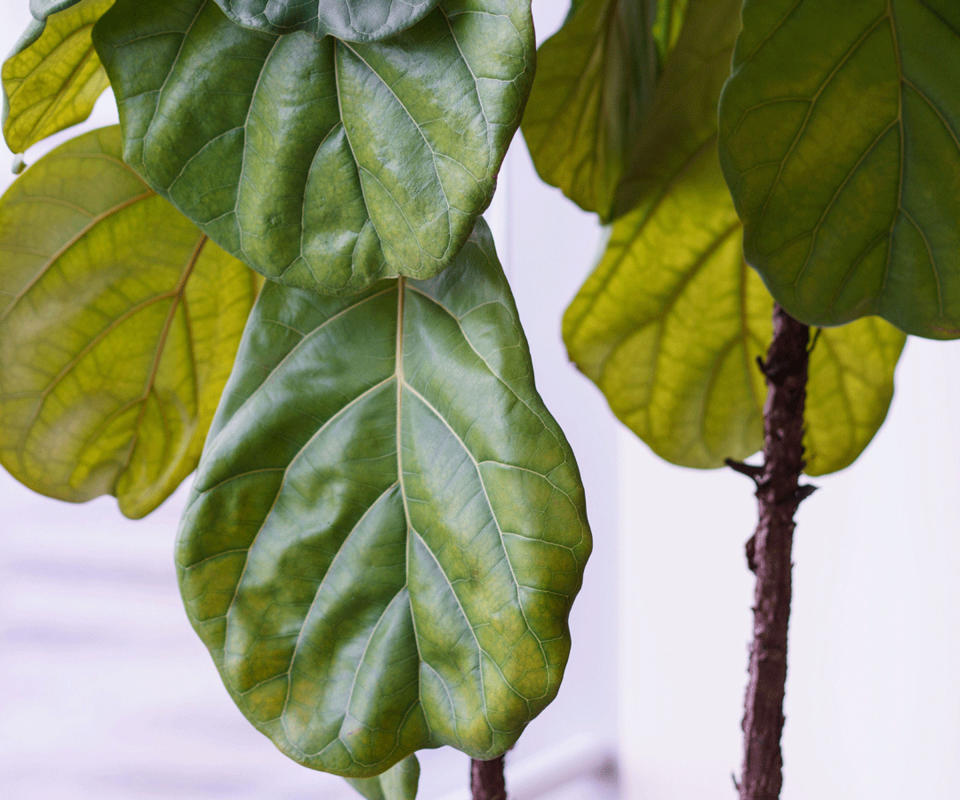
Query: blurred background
point(106, 693)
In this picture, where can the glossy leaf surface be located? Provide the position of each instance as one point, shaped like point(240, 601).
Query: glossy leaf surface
point(671, 321)
point(322, 164)
point(387, 528)
point(840, 139)
point(53, 77)
point(119, 321)
point(595, 80)
point(350, 20)
point(397, 783)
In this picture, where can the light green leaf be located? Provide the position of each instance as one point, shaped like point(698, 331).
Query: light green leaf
point(595, 81)
point(53, 77)
point(387, 528)
point(840, 139)
point(119, 321)
point(322, 164)
point(397, 783)
point(351, 20)
point(671, 322)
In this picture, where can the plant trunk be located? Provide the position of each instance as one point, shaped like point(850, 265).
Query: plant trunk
point(769, 553)
point(486, 779)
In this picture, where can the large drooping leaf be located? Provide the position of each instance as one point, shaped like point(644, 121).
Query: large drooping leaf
point(671, 322)
point(840, 139)
point(53, 77)
point(387, 527)
point(350, 20)
point(397, 783)
point(595, 80)
point(119, 321)
point(322, 164)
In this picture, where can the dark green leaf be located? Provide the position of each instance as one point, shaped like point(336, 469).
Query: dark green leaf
point(840, 139)
point(351, 20)
point(53, 77)
point(119, 321)
point(595, 80)
point(387, 528)
point(322, 164)
point(397, 783)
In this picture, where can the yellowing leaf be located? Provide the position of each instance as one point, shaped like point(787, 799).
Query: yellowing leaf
point(119, 321)
point(672, 320)
point(54, 76)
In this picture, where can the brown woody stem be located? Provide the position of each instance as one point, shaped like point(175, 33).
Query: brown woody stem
point(486, 780)
point(769, 552)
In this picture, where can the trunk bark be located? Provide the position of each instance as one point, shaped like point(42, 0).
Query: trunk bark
point(769, 552)
point(486, 780)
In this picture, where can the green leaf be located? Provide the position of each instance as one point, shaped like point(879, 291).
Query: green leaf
point(595, 81)
point(119, 321)
point(322, 164)
point(53, 77)
point(388, 527)
point(350, 20)
point(840, 139)
point(671, 322)
point(397, 783)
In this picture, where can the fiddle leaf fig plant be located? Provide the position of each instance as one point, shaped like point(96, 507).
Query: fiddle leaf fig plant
point(387, 528)
point(838, 138)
